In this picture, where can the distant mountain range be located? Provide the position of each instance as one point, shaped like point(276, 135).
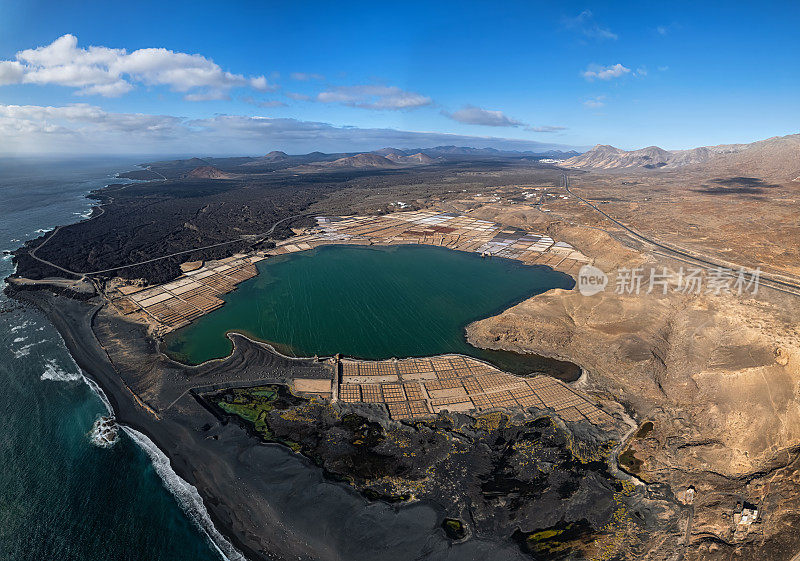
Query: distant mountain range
point(394, 157)
point(389, 158)
point(469, 151)
point(776, 158)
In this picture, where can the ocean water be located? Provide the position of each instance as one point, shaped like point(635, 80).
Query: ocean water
point(61, 496)
point(369, 302)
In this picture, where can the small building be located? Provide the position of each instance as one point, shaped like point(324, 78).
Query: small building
point(688, 495)
point(745, 513)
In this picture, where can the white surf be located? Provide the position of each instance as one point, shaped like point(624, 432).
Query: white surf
point(187, 496)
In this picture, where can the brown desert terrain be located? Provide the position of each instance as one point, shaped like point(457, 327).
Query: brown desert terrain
point(717, 375)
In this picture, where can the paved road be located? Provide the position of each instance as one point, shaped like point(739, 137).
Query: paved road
point(705, 262)
point(252, 238)
point(158, 172)
point(32, 253)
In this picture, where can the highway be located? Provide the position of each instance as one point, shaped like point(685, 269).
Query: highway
point(685, 255)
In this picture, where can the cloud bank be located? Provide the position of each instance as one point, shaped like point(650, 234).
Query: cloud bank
point(86, 129)
point(374, 97)
point(471, 115)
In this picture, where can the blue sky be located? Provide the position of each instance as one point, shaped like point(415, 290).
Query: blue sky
point(352, 76)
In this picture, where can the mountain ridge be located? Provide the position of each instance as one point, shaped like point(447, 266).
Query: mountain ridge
point(776, 158)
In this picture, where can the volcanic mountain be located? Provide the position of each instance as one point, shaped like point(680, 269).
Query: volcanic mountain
point(604, 156)
point(389, 151)
point(420, 158)
point(776, 158)
point(208, 172)
point(275, 156)
point(401, 157)
point(361, 161)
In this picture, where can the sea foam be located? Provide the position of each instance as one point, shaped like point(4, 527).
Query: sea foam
point(104, 433)
point(23, 351)
point(187, 496)
point(22, 325)
point(56, 374)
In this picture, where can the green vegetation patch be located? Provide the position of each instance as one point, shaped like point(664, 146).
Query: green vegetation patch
point(630, 462)
point(254, 404)
point(644, 430)
point(556, 542)
point(454, 528)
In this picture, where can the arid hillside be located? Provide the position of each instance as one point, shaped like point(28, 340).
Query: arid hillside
point(774, 159)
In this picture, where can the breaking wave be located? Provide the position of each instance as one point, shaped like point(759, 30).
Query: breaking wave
point(23, 351)
point(56, 374)
point(22, 325)
point(100, 393)
point(187, 496)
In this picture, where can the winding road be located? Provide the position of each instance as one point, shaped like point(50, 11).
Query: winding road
point(685, 255)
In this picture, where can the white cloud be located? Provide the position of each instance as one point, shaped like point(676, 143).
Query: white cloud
point(268, 103)
point(545, 128)
point(586, 24)
point(77, 119)
point(210, 95)
point(113, 72)
point(297, 96)
point(10, 72)
point(374, 97)
point(472, 115)
point(114, 89)
point(87, 129)
point(597, 72)
point(595, 102)
point(260, 83)
point(305, 76)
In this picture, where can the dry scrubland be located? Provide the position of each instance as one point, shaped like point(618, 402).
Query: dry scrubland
point(718, 375)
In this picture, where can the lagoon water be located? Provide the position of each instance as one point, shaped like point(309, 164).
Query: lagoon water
point(61, 497)
point(367, 302)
